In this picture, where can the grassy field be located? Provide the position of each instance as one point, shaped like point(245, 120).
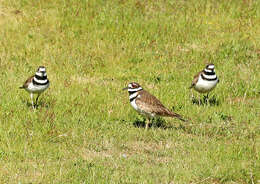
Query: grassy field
point(85, 131)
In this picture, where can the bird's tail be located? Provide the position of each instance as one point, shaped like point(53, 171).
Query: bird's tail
point(21, 87)
point(175, 115)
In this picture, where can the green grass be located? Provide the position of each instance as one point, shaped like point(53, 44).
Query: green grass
point(84, 129)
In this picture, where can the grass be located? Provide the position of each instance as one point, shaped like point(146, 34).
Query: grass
point(85, 130)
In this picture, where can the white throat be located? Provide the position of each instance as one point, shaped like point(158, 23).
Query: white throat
point(135, 89)
point(133, 95)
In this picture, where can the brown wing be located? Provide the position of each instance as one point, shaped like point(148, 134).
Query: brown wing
point(151, 104)
point(27, 82)
point(195, 79)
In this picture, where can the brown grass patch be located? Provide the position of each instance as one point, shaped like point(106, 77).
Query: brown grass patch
point(84, 80)
point(245, 100)
point(8, 15)
point(91, 154)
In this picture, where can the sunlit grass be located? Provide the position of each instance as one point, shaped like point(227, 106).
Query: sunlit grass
point(85, 130)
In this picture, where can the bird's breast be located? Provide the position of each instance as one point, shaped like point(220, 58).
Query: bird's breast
point(204, 86)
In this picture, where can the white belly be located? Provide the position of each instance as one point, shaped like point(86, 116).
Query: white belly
point(204, 86)
point(37, 88)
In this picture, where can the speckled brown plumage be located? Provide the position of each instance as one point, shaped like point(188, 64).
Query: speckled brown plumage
point(151, 105)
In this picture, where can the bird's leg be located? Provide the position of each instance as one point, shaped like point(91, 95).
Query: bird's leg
point(192, 96)
point(32, 100)
point(207, 98)
point(147, 123)
point(37, 99)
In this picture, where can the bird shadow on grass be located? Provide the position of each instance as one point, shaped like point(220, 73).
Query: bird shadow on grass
point(154, 123)
point(213, 101)
point(40, 104)
point(160, 123)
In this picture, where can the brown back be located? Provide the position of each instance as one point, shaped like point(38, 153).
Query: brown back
point(151, 104)
point(195, 79)
point(27, 82)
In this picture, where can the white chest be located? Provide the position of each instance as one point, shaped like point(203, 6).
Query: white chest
point(133, 103)
point(204, 86)
point(37, 88)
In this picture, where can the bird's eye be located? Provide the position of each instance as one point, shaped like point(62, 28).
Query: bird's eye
point(134, 85)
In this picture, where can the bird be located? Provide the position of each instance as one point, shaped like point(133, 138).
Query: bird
point(148, 105)
point(205, 81)
point(36, 84)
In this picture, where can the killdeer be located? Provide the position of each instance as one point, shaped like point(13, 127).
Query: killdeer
point(205, 81)
point(146, 104)
point(36, 84)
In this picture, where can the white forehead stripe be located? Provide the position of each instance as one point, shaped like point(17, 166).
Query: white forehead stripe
point(210, 67)
point(42, 69)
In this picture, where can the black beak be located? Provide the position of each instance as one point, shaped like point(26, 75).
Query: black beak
point(125, 88)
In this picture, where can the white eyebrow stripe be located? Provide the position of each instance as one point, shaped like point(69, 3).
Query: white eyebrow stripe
point(135, 89)
point(41, 74)
point(211, 66)
point(206, 70)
